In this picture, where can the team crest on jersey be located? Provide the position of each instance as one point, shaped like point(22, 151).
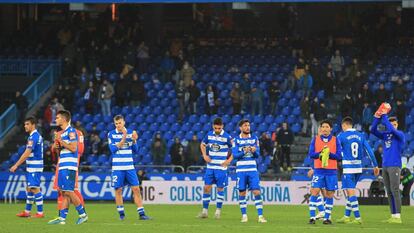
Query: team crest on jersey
point(72, 135)
point(215, 147)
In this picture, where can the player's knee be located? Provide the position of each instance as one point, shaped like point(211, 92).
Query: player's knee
point(118, 191)
point(207, 189)
point(256, 192)
point(135, 189)
point(242, 193)
point(330, 194)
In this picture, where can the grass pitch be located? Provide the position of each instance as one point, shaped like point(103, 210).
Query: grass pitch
point(103, 218)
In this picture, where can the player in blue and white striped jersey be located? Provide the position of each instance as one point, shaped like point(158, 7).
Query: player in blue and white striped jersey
point(354, 147)
point(123, 145)
point(245, 151)
point(216, 151)
point(67, 142)
point(33, 155)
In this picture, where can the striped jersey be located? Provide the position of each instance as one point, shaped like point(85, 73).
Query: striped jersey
point(354, 147)
point(218, 148)
point(34, 163)
point(246, 162)
point(67, 159)
point(122, 158)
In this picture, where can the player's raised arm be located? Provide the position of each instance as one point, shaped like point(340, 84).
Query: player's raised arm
point(112, 145)
point(390, 127)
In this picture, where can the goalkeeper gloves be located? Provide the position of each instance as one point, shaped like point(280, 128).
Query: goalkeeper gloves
point(384, 108)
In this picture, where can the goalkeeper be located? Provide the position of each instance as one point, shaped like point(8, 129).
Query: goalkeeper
point(325, 150)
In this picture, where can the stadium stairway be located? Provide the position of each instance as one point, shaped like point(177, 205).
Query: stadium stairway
point(17, 137)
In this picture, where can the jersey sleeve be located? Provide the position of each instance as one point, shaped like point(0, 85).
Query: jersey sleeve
point(112, 145)
point(338, 154)
point(257, 145)
point(72, 135)
point(229, 141)
point(236, 150)
point(312, 154)
point(368, 150)
point(31, 142)
point(374, 128)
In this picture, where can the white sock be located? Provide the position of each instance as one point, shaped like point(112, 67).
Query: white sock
point(205, 211)
point(396, 215)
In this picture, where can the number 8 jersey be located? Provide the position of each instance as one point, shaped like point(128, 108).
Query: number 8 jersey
point(354, 146)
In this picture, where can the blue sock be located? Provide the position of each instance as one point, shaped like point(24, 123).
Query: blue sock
point(39, 202)
point(141, 211)
point(259, 204)
point(353, 200)
point(206, 200)
point(320, 204)
point(348, 208)
point(220, 199)
point(63, 213)
point(81, 211)
point(328, 207)
point(312, 206)
point(121, 210)
point(243, 204)
point(29, 201)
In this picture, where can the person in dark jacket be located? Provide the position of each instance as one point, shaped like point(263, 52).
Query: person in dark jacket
point(193, 98)
point(136, 91)
point(273, 92)
point(21, 104)
point(381, 95)
point(407, 180)
point(121, 90)
point(400, 113)
point(400, 92)
point(177, 153)
point(284, 141)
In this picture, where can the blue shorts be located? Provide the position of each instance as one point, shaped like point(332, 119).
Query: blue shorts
point(123, 178)
point(33, 179)
point(248, 180)
point(66, 180)
point(349, 181)
point(217, 177)
point(327, 182)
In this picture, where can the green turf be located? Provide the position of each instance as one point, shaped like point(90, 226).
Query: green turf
point(181, 218)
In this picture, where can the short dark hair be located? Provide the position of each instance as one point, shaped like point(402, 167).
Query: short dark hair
point(66, 114)
point(218, 121)
point(326, 121)
point(392, 119)
point(118, 117)
point(241, 122)
point(348, 120)
point(31, 119)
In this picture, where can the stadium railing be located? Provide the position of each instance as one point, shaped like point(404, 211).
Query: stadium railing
point(28, 67)
point(33, 93)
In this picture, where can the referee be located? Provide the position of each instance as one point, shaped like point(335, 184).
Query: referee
point(394, 141)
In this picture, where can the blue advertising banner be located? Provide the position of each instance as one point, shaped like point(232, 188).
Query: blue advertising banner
point(93, 186)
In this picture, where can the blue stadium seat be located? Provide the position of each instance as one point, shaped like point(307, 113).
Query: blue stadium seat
point(186, 126)
point(102, 158)
point(103, 135)
point(296, 128)
point(201, 135)
point(146, 159)
point(189, 135)
point(154, 127)
point(161, 118)
point(167, 159)
point(236, 118)
point(207, 127)
point(150, 119)
point(168, 135)
point(87, 118)
point(193, 119)
point(143, 127)
point(100, 126)
point(171, 119)
point(269, 119)
point(140, 118)
point(107, 119)
point(197, 127)
point(296, 111)
point(263, 127)
point(129, 118)
point(164, 127)
point(175, 127)
point(257, 119)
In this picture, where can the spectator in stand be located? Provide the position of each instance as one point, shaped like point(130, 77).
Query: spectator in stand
point(305, 113)
point(400, 113)
point(365, 95)
point(317, 73)
point(90, 97)
point(257, 100)
point(158, 149)
point(328, 84)
point(236, 95)
point(187, 73)
point(367, 117)
point(273, 93)
point(106, 91)
point(78, 126)
point(321, 113)
point(83, 79)
point(378, 155)
point(98, 74)
point(194, 93)
point(136, 91)
point(266, 145)
point(381, 95)
point(338, 63)
point(284, 140)
point(22, 106)
point(299, 69)
point(51, 111)
point(142, 57)
point(357, 81)
point(193, 151)
point(211, 100)
point(121, 90)
point(351, 74)
point(177, 154)
point(347, 106)
point(95, 143)
point(400, 93)
point(167, 66)
point(313, 107)
point(246, 92)
point(306, 82)
point(180, 92)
